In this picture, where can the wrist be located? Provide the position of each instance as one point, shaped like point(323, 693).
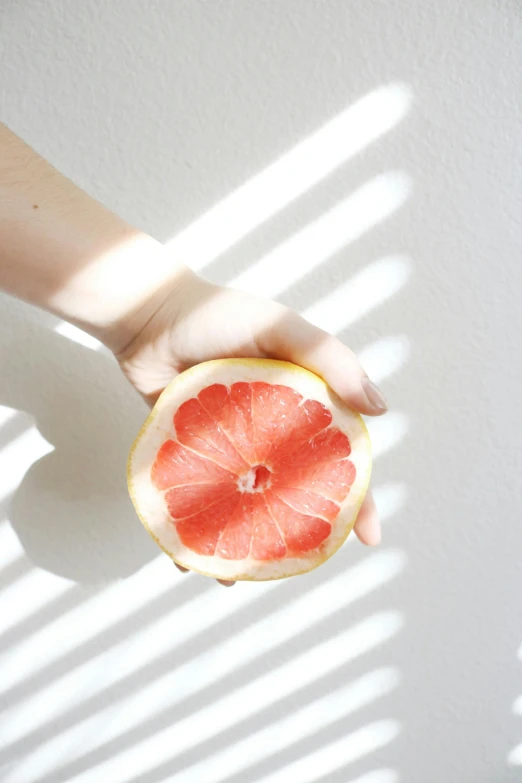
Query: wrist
point(63, 251)
point(117, 295)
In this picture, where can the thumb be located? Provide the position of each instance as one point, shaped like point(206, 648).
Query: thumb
point(292, 338)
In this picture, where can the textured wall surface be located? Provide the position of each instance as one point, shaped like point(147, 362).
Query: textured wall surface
point(362, 162)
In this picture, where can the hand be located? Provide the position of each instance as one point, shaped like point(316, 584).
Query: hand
point(195, 321)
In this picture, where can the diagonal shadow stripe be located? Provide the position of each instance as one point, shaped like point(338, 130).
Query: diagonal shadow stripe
point(301, 254)
point(336, 730)
point(364, 579)
point(180, 594)
point(329, 754)
point(47, 614)
point(241, 759)
point(313, 636)
point(375, 776)
point(296, 172)
point(12, 572)
point(303, 696)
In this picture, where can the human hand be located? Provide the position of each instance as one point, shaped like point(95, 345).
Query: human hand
point(194, 321)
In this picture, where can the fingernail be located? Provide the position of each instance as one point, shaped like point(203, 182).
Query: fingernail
point(375, 396)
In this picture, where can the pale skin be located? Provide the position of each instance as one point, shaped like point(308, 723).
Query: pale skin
point(66, 253)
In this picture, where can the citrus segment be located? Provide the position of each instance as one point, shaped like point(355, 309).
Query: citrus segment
point(189, 499)
point(330, 480)
point(272, 406)
point(201, 532)
point(304, 422)
point(232, 410)
point(300, 532)
point(235, 540)
point(178, 466)
point(307, 502)
point(267, 541)
point(197, 430)
point(327, 446)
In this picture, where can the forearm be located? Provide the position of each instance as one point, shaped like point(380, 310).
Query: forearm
point(63, 251)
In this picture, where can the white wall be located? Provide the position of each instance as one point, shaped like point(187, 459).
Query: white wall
point(398, 664)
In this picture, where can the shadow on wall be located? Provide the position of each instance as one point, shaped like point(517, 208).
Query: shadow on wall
point(71, 511)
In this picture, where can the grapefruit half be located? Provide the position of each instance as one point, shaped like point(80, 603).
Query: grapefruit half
point(249, 469)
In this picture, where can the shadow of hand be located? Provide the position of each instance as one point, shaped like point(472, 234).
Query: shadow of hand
point(71, 512)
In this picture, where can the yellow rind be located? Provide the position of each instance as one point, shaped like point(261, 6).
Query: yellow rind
point(293, 368)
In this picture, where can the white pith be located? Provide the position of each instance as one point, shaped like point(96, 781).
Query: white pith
point(247, 482)
point(159, 427)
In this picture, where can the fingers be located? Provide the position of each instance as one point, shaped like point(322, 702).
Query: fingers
point(224, 582)
point(367, 526)
point(293, 338)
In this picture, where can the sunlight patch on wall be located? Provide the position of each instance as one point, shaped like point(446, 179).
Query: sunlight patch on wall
point(292, 175)
point(95, 616)
point(299, 725)
point(319, 240)
point(360, 294)
point(11, 549)
point(28, 594)
point(378, 776)
point(390, 498)
point(78, 336)
point(256, 695)
point(119, 662)
point(385, 357)
point(337, 754)
point(515, 756)
point(7, 414)
point(90, 619)
point(387, 432)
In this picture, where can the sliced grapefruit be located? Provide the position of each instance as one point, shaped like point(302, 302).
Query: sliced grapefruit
point(249, 469)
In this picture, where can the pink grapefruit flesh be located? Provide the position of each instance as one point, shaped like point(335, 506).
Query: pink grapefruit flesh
point(249, 469)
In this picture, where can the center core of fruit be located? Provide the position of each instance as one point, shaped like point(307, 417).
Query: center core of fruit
point(256, 480)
